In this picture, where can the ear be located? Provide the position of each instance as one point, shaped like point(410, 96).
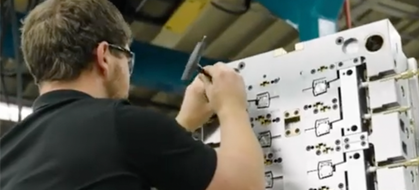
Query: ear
point(102, 60)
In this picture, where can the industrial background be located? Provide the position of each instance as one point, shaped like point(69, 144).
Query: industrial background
point(166, 31)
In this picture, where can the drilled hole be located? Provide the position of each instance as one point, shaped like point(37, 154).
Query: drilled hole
point(339, 40)
point(374, 43)
point(356, 156)
point(241, 65)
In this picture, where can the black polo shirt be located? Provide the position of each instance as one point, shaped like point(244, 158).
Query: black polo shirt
point(74, 141)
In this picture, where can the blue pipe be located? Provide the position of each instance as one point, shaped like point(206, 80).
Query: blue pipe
point(155, 67)
point(312, 18)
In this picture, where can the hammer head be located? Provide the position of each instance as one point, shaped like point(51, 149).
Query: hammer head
point(193, 62)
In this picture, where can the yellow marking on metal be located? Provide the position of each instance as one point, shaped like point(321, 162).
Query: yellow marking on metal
point(185, 15)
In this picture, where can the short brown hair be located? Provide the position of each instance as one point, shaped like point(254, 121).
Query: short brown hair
point(59, 36)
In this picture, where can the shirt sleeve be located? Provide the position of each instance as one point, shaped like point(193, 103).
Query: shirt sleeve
point(163, 152)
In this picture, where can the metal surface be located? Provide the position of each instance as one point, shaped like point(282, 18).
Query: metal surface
point(325, 116)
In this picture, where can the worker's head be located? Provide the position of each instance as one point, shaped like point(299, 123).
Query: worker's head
point(78, 43)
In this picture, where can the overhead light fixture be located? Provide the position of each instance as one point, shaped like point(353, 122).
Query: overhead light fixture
point(10, 112)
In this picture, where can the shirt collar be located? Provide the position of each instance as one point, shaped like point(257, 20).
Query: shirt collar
point(58, 96)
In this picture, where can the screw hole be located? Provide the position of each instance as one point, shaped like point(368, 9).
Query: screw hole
point(337, 142)
point(241, 65)
point(412, 176)
point(349, 72)
point(354, 128)
point(356, 156)
point(374, 43)
point(402, 91)
point(339, 40)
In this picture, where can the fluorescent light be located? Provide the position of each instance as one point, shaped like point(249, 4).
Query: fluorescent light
point(9, 112)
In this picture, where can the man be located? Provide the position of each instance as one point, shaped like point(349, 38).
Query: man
point(82, 135)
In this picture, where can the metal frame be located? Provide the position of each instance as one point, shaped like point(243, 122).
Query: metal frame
point(336, 117)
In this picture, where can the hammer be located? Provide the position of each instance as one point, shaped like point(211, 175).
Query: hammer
point(193, 62)
point(193, 65)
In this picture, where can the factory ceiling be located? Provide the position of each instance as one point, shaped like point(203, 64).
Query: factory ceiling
point(178, 25)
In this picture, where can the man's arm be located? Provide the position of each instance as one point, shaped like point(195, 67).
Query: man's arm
point(170, 159)
point(240, 157)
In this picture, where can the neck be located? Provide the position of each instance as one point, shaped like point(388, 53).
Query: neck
point(92, 88)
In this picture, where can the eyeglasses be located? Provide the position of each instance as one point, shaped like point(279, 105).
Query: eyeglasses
point(130, 55)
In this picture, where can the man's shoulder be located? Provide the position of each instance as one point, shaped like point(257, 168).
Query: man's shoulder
point(126, 108)
point(123, 111)
point(127, 113)
point(119, 106)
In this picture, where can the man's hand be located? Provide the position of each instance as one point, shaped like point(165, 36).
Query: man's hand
point(226, 92)
point(195, 110)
